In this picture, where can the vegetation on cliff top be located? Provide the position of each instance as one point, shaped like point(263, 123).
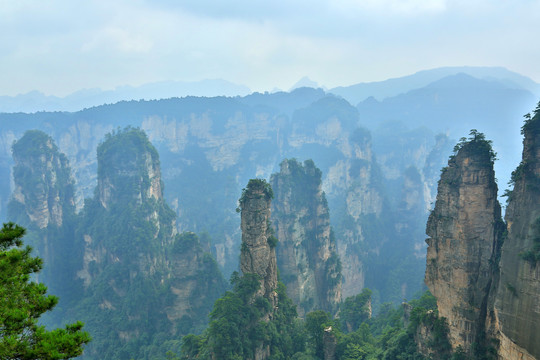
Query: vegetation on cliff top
point(531, 127)
point(476, 144)
point(34, 152)
point(256, 185)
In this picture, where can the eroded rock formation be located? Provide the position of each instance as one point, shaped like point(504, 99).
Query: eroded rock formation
point(43, 202)
point(465, 231)
point(362, 203)
point(44, 189)
point(307, 256)
point(258, 253)
point(485, 273)
point(141, 279)
point(517, 305)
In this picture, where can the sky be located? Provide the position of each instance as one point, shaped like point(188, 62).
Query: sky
point(61, 46)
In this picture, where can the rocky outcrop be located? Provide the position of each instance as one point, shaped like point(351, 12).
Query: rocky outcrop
point(128, 162)
point(44, 189)
point(43, 201)
point(141, 279)
point(129, 192)
point(306, 253)
point(517, 305)
point(362, 204)
point(194, 283)
point(465, 232)
point(258, 250)
point(329, 344)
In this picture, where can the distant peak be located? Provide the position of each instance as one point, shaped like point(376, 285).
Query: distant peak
point(305, 82)
point(461, 80)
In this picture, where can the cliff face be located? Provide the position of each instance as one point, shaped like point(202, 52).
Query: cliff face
point(517, 305)
point(210, 147)
point(465, 230)
point(128, 162)
point(130, 205)
point(258, 250)
point(140, 278)
point(44, 188)
point(43, 202)
point(258, 253)
point(361, 200)
point(306, 253)
point(194, 282)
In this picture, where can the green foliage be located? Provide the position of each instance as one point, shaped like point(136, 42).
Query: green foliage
point(390, 335)
point(272, 241)
point(532, 123)
point(123, 162)
point(355, 310)
point(237, 327)
point(255, 185)
point(531, 127)
point(34, 153)
point(34, 143)
point(130, 304)
point(316, 322)
point(476, 143)
point(533, 255)
point(23, 301)
point(302, 181)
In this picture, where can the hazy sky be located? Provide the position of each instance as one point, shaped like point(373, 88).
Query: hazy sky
point(60, 46)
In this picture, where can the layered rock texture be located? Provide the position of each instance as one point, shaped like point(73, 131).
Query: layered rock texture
point(118, 265)
point(517, 305)
point(43, 201)
point(140, 276)
point(361, 208)
point(485, 273)
point(258, 250)
point(465, 230)
point(210, 147)
point(44, 189)
point(306, 254)
point(128, 207)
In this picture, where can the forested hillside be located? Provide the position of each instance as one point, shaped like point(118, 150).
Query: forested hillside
point(132, 207)
point(210, 146)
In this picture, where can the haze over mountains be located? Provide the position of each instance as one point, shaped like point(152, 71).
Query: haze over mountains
point(354, 178)
point(380, 90)
point(36, 101)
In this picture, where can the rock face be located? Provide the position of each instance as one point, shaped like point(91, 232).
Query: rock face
point(517, 305)
point(194, 282)
point(129, 192)
point(210, 147)
point(363, 202)
point(485, 274)
point(258, 249)
point(306, 253)
point(141, 279)
point(258, 253)
point(43, 202)
point(329, 344)
point(465, 232)
point(131, 162)
point(44, 188)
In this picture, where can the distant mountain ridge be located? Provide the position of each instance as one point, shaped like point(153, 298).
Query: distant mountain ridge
point(392, 87)
point(35, 101)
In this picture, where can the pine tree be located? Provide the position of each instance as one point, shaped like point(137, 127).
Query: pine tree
point(23, 301)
